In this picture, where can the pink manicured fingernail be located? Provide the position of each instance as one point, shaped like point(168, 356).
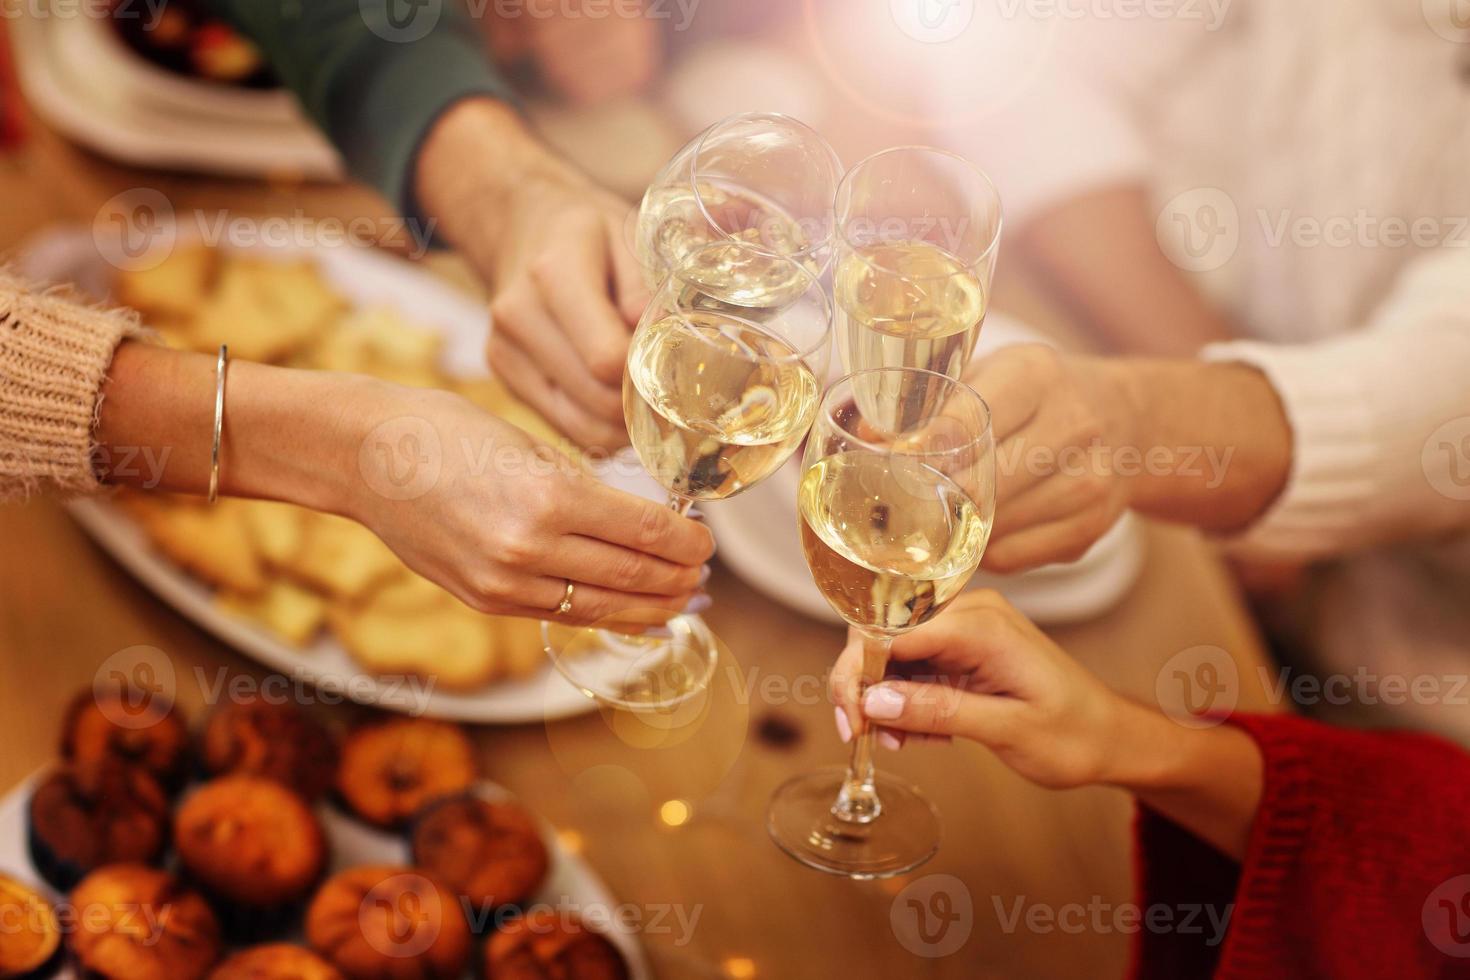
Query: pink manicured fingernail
point(889, 741)
point(704, 574)
point(844, 727)
point(883, 703)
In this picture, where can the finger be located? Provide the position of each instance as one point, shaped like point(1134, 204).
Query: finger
point(518, 315)
point(845, 685)
point(1017, 470)
point(1047, 544)
point(939, 709)
point(629, 287)
point(954, 643)
point(633, 522)
point(513, 366)
point(593, 604)
point(1007, 388)
point(599, 563)
point(1051, 500)
point(575, 286)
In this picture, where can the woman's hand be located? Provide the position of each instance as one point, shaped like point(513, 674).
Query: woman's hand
point(552, 247)
point(1059, 424)
point(982, 671)
point(504, 522)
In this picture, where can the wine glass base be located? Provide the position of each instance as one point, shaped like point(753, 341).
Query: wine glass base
point(904, 836)
point(666, 667)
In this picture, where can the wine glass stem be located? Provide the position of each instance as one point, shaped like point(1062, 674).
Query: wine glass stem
point(680, 504)
point(857, 801)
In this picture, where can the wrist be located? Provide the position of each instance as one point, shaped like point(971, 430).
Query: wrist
point(473, 161)
point(293, 436)
point(1147, 750)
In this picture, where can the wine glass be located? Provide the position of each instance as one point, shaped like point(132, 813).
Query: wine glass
point(918, 231)
point(717, 396)
point(761, 179)
point(894, 522)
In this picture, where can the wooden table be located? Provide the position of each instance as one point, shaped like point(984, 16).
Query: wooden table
point(64, 607)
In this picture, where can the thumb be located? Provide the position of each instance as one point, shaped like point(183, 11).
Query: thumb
point(629, 288)
point(939, 709)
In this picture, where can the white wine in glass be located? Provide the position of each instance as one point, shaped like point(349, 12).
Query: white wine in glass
point(894, 523)
point(918, 231)
point(885, 557)
point(714, 403)
point(717, 396)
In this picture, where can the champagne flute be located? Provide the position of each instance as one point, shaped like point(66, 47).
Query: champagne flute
point(893, 523)
point(918, 231)
point(717, 396)
point(761, 179)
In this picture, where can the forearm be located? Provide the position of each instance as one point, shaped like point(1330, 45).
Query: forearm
point(1207, 780)
point(288, 435)
point(1102, 253)
point(476, 157)
point(1213, 443)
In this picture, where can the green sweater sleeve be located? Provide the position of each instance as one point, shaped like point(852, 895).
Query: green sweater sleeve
point(373, 74)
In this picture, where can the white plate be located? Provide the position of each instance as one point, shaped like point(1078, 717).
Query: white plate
point(95, 91)
point(569, 882)
point(759, 539)
point(365, 278)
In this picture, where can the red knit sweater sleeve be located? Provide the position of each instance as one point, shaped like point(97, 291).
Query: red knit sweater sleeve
point(1358, 866)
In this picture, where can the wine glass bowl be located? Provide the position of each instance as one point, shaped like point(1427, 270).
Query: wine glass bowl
point(718, 394)
point(896, 503)
point(760, 179)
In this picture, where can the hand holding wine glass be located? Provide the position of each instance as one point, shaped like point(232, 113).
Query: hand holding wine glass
point(894, 521)
point(717, 396)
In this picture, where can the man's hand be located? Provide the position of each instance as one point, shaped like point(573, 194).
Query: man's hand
point(551, 246)
point(1058, 423)
point(1079, 440)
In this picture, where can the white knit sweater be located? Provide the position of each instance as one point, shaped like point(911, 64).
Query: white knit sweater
point(1328, 144)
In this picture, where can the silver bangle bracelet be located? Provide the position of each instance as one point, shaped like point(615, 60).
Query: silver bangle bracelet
point(219, 421)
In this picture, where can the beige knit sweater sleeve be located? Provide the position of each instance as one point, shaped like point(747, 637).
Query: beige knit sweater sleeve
point(54, 355)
